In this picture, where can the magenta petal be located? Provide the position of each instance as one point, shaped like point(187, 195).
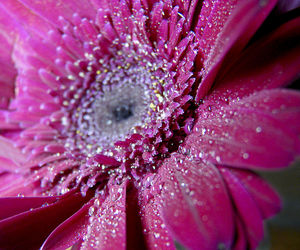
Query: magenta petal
point(70, 231)
point(10, 157)
point(251, 132)
point(21, 230)
point(17, 185)
point(106, 160)
point(14, 205)
point(25, 18)
point(195, 204)
point(9, 29)
point(107, 229)
point(226, 35)
point(265, 197)
point(269, 63)
point(65, 8)
point(241, 237)
point(246, 208)
point(156, 233)
point(7, 73)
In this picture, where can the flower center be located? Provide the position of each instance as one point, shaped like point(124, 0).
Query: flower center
point(115, 99)
point(123, 111)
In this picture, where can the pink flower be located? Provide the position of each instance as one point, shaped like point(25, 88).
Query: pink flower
point(138, 123)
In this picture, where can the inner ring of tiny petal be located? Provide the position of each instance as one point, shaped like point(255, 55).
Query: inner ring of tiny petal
point(125, 89)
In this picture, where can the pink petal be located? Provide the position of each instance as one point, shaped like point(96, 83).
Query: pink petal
point(134, 228)
point(266, 198)
point(21, 230)
point(15, 205)
point(270, 63)
point(106, 160)
point(10, 157)
point(156, 232)
point(7, 70)
point(107, 229)
point(70, 231)
point(241, 237)
point(258, 131)
point(65, 8)
point(25, 18)
point(246, 208)
point(228, 32)
point(195, 204)
point(17, 185)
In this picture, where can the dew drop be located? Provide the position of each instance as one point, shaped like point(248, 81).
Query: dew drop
point(245, 156)
point(258, 129)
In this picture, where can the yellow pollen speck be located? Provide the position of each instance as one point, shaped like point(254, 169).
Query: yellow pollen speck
point(65, 103)
point(162, 82)
point(105, 70)
point(159, 97)
point(89, 146)
point(98, 72)
point(119, 67)
point(152, 106)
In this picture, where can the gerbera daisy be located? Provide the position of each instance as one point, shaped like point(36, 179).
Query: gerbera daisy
point(138, 123)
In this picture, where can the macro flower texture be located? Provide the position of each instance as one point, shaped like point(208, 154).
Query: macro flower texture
point(138, 124)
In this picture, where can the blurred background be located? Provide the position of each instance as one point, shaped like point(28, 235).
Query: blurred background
point(284, 229)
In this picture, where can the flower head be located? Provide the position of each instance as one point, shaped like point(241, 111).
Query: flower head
point(138, 123)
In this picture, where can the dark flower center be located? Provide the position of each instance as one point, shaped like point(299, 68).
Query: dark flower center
point(116, 96)
point(123, 111)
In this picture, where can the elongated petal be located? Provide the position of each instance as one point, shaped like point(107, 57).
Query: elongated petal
point(228, 32)
point(156, 233)
point(10, 156)
point(263, 194)
point(107, 229)
point(17, 185)
point(7, 73)
point(241, 237)
point(65, 8)
point(251, 132)
point(31, 228)
point(15, 205)
point(7, 70)
point(196, 206)
point(25, 19)
point(246, 208)
point(70, 231)
point(270, 63)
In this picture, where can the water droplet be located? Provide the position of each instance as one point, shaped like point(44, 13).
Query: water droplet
point(91, 211)
point(156, 235)
point(245, 156)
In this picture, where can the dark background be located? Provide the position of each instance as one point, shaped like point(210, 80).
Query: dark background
point(283, 231)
